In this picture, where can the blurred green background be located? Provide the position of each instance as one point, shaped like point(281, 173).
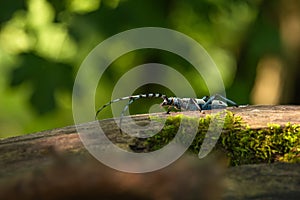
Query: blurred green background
point(255, 44)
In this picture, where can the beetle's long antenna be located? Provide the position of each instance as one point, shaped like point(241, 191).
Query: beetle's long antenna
point(107, 104)
point(157, 95)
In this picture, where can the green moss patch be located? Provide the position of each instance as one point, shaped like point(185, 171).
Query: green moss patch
point(241, 144)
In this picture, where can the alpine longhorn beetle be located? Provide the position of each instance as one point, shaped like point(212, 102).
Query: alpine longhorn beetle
point(189, 104)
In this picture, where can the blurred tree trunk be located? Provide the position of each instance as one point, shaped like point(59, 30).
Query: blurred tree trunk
point(275, 34)
point(289, 19)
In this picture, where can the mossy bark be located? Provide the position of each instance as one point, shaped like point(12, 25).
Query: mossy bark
point(56, 165)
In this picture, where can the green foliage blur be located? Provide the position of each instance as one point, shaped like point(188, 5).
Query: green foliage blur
point(43, 43)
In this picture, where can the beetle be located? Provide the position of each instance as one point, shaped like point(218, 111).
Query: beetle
point(189, 104)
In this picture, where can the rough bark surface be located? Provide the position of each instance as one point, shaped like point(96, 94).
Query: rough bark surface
point(54, 164)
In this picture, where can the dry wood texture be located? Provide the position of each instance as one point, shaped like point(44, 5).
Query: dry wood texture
point(54, 164)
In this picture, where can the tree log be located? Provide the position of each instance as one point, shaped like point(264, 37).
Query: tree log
point(54, 164)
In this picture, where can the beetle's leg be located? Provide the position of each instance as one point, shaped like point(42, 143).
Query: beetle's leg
point(205, 106)
point(124, 110)
point(227, 100)
point(136, 97)
point(214, 97)
point(194, 102)
point(169, 109)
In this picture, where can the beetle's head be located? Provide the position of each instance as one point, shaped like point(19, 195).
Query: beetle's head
point(166, 102)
